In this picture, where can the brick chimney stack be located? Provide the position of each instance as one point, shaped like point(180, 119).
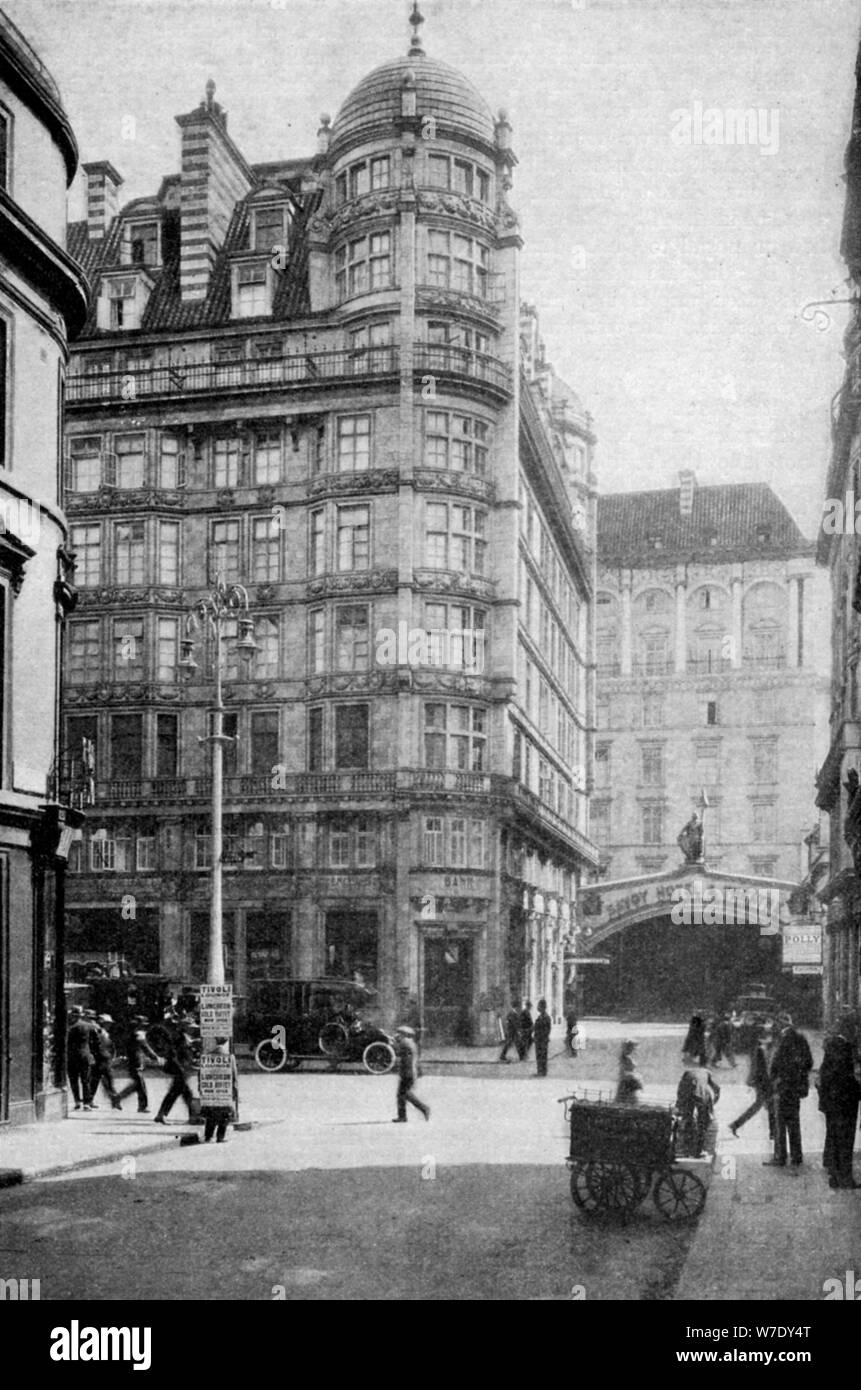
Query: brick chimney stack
point(103, 187)
point(687, 485)
point(213, 178)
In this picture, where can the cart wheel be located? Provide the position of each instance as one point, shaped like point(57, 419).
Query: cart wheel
point(679, 1195)
point(378, 1058)
point(333, 1040)
point(269, 1057)
point(581, 1190)
point(615, 1186)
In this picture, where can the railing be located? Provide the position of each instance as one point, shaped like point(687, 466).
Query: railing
point(179, 378)
point(461, 361)
point(775, 662)
point(708, 665)
point(653, 668)
point(278, 783)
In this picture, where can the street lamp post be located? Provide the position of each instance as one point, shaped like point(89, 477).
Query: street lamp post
point(222, 603)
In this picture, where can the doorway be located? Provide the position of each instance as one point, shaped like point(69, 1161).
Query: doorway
point(448, 988)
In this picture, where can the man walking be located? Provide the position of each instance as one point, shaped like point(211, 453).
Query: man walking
point(541, 1033)
point(177, 1064)
point(405, 1050)
point(722, 1041)
point(138, 1052)
point(760, 1081)
point(512, 1030)
point(790, 1079)
point(103, 1072)
point(79, 1058)
point(525, 1030)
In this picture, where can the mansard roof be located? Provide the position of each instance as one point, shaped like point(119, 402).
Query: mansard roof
point(729, 521)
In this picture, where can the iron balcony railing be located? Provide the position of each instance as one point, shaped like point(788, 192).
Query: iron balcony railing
point(271, 786)
point(183, 378)
point(446, 359)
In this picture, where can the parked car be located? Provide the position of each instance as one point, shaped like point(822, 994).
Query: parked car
point(291, 1021)
point(754, 1011)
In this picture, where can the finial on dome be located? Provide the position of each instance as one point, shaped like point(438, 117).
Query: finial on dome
point(417, 19)
point(210, 93)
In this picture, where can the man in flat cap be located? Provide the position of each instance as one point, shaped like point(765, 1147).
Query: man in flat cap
point(407, 1055)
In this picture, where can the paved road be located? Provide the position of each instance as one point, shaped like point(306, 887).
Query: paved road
point(332, 1201)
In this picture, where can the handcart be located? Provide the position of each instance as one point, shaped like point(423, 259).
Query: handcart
point(619, 1153)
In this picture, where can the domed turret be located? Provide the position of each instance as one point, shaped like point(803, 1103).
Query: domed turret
point(433, 89)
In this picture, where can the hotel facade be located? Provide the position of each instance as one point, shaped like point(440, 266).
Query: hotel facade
point(316, 379)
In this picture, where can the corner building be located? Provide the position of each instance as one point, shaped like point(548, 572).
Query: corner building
point(43, 299)
point(315, 378)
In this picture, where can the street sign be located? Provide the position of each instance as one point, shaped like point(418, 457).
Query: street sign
point(216, 1011)
point(802, 944)
point(216, 1079)
point(587, 960)
point(807, 969)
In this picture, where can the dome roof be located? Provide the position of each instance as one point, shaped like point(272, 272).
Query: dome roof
point(441, 91)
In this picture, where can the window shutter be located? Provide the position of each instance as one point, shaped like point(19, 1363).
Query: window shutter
point(109, 470)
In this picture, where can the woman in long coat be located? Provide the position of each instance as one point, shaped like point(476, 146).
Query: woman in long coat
point(694, 1044)
point(630, 1082)
point(839, 1094)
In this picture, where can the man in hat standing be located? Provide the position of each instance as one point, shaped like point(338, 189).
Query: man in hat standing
point(79, 1057)
point(512, 1030)
point(541, 1034)
point(790, 1080)
point(407, 1055)
point(138, 1052)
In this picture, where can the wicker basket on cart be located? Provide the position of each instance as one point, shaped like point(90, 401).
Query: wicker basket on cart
point(619, 1153)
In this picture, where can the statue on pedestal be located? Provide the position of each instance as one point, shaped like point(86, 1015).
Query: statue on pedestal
point(690, 840)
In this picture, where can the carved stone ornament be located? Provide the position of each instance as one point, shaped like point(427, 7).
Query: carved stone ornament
point(444, 480)
point(352, 683)
point(225, 497)
point(265, 593)
point(447, 582)
point(454, 301)
point(352, 583)
point(266, 495)
point(451, 683)
point(375, 480)
point(456, 205)
point(381, 204)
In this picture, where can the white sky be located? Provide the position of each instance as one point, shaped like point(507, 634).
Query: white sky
point(669, 278)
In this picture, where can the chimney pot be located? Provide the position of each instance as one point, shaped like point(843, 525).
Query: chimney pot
point(687, 487)
point(103, 185)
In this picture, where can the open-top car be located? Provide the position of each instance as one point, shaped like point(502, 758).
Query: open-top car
point(291, 1021)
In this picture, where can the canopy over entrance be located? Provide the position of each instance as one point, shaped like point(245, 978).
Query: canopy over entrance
point(689, 938)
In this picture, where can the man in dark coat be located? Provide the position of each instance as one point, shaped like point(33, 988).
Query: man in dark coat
point(722, 1041)
point(178, 1064)
point(760, 1081)
point(694, 1044)
point(79, 1058)
point(138, 1052)
point(103, 1051)
point(790, 1079)
point(525, 1030)
point(839, 1094)
point(405, 1050)
point(541, 1034)
point(512, 1030)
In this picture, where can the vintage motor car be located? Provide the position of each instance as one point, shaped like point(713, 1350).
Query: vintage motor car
point(292, 1021)
point(754, 1011)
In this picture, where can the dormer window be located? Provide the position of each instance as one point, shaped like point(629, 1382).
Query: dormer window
point(270, 226)
point(122, 300)
point(763, 534)
point(141, 244)
point(253, 287)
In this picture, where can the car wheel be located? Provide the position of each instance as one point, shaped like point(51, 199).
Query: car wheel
point(269, 1057)
point(379, 1058)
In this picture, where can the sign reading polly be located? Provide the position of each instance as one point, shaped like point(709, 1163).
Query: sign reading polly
point(802, 944)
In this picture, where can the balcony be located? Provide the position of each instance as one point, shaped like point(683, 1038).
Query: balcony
point(653, 667)
point(775, 661)
point(299, 370)
point(708, 665)
point(558, 825)
point(244, 787)
point(433, 359)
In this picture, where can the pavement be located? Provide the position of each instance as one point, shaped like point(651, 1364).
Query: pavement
point(765, 1233)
